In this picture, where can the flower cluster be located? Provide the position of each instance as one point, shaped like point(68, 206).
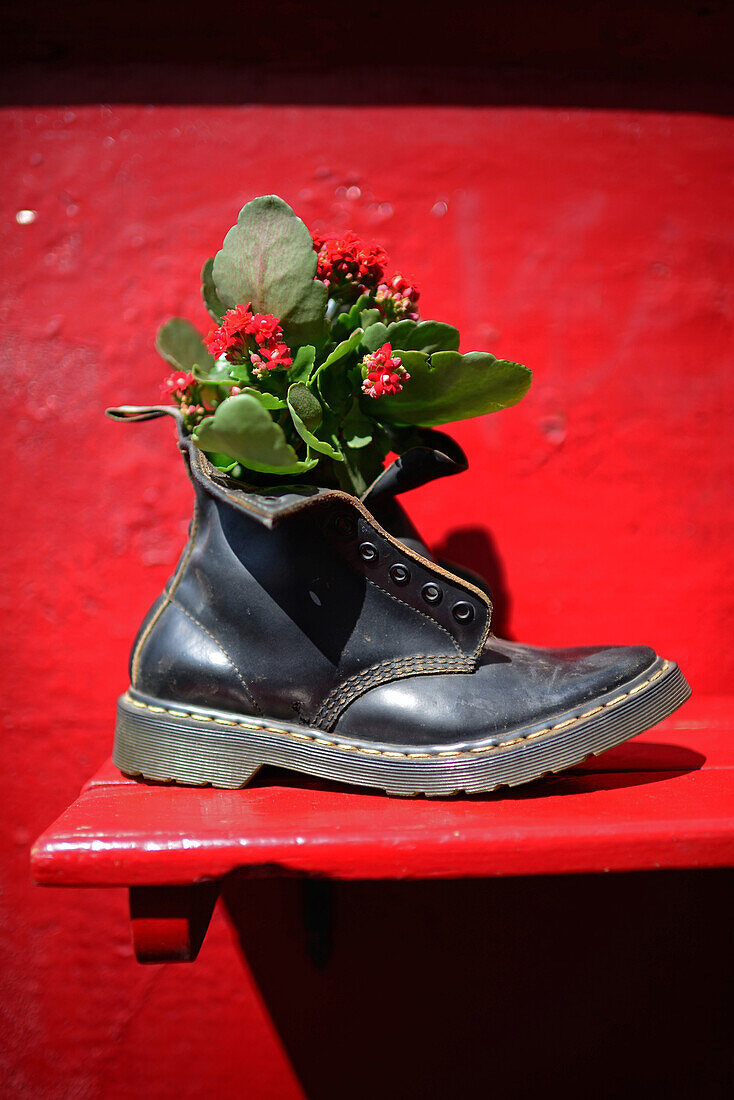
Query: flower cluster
point(178, 385)
point(398, 299)
point(258, 336)
point(347, 265)
point(303, 404)
point(383, 373)
point(183, 388)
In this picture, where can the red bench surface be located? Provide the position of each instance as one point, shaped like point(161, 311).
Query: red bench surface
point(665, 799)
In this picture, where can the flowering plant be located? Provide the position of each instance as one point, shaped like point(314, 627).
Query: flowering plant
point(318, 364)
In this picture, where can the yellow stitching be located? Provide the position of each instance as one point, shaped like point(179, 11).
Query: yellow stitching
point(487, 631)
point(240, 677)
point(397, 664)
point(370, 677)
point(399, 755)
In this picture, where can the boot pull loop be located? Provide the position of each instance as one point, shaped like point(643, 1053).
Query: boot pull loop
point(136, 413)
point(437, 455)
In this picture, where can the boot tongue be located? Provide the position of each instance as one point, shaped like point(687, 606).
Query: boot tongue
point(435, 455)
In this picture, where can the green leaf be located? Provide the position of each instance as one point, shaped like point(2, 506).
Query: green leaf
point(334, 388)
point(305, 406)
point(182, 346)
point(332, 380)
point(268, 260)
point(302, 364)
point(369, 317)
point(361, 467)
point(242, 372)
point(219, 375)
point(267, 400)
point(342, 350)
point(214, 307)
point(224, 463)
point(243, 429)
point(447, 386)
point(357, 429)
point(273, 382)
point(213, 381)
point(428, 336)
point(374, 337)
point(212, 385)
point(345, 323)
point(307, 414)
point(400, 332)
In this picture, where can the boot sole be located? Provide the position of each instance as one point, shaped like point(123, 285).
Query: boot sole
point(198, 746)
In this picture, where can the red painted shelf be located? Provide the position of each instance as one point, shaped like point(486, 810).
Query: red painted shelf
point(665, 799)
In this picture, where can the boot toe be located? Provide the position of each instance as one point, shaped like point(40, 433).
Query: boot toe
point(514, 686)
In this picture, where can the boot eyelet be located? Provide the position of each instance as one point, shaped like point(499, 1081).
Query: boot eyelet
point(368, 553)
point(431, 593)
point(344, 526)
point(463, 612)
point(400, 575)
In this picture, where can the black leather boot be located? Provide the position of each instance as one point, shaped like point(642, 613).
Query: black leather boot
point(298, 631)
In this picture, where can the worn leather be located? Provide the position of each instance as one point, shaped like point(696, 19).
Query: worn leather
point(307, 607)
point(295, 617)
point(514, 685)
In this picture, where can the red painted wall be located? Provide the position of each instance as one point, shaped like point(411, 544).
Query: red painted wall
point(595, 246)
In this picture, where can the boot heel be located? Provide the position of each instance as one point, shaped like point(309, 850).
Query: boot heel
point(159, 743)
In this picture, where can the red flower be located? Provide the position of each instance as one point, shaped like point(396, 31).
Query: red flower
point(266, 327)
point(238, 320)
point(239, 328)
point(177, 384)
point(348, 264)
point(280, 356)
point(274, 357)
point(385, 373)
point(236, 324)
point(397, 299)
